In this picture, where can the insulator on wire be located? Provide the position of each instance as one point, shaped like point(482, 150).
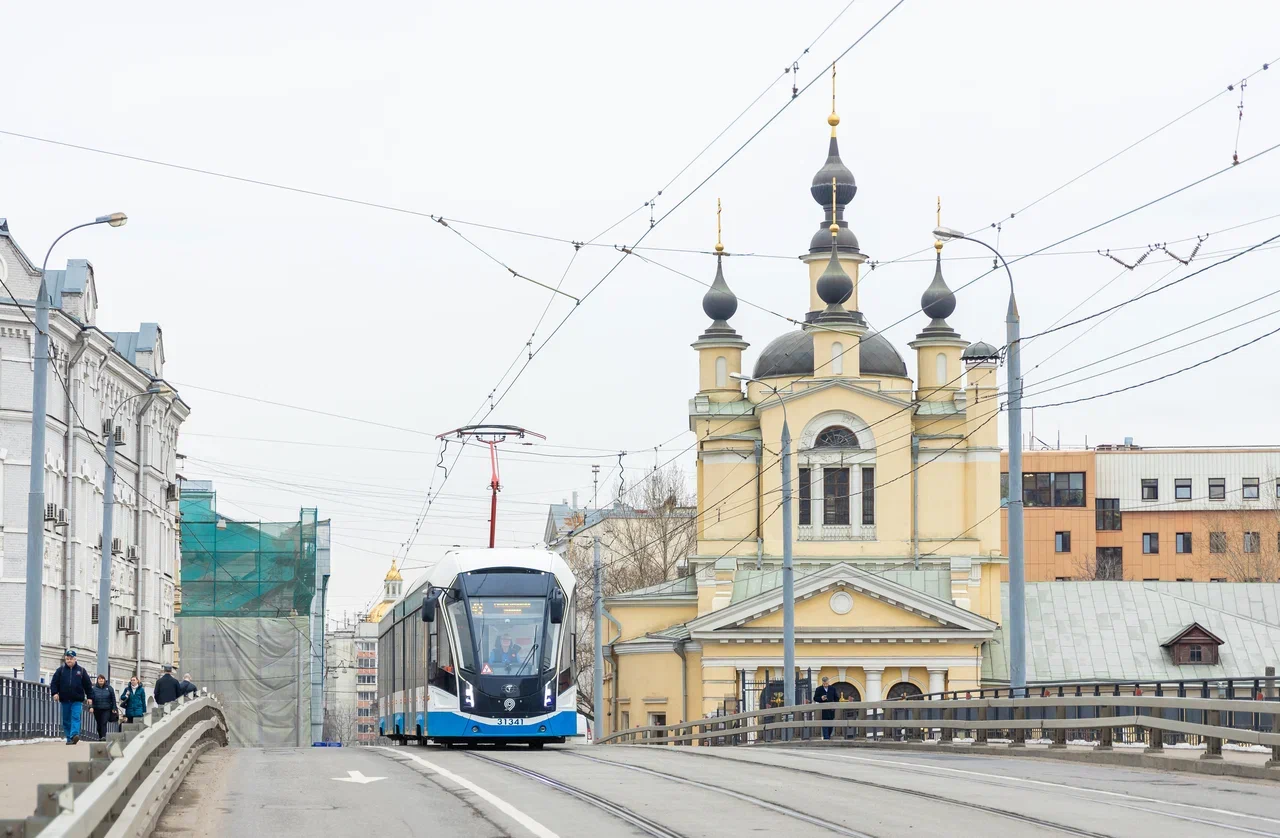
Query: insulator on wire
point(1200, 240)
point(1116, 259)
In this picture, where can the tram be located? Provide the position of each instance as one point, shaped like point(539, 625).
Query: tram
point(480, 650)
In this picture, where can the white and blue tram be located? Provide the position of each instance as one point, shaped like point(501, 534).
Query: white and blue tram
point(481, 651)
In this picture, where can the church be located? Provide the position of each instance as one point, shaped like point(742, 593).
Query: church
point(895, 500)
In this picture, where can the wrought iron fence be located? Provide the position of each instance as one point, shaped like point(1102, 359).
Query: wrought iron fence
point(29, 711)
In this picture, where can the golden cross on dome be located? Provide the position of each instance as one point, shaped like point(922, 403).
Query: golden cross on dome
point(833, 120)
point(719, 246)
point(937, 243)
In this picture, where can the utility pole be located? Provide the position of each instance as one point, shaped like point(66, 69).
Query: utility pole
point(108, 556)
point(35, 497)
point(597, 680)
point(788, 576)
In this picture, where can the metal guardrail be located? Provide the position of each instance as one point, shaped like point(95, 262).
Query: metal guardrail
point(1156, 718)
point(129, 778)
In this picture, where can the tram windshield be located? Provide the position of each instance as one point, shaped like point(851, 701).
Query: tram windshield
point(508, 633)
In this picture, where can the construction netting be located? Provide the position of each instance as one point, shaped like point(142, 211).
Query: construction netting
point(242, 568)
point(260, 669)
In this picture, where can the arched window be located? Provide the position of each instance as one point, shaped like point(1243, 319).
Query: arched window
point(902, 689)
point(941, 362)
point(722, 371)
point(836, 437)
point(837, 359)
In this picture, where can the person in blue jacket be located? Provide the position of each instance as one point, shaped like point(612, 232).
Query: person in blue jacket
point(71, 685)
point(134, 700)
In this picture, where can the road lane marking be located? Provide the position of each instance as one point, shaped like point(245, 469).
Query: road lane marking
point(1102, 792)
point(357, 777)
point(497, 802)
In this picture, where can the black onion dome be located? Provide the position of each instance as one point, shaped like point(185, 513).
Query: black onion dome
point(834, 286)
point(980, 351)
point(719, 303)
point(792, 355)
point(846, 187)
point(845, 239)
point(938, 301)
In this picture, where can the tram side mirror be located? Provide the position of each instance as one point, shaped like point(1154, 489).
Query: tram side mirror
point(557, 605)
point(429, 606)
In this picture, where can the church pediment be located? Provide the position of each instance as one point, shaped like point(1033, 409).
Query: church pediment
point(852, 389)
point(845, 598)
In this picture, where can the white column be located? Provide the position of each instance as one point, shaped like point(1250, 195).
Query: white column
point(840, 672)
point(937, 680)
point(873, 694)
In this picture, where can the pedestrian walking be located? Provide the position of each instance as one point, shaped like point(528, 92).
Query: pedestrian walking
point(167, 687)
point(186, 687)
point(70, 684)
point(103, 697)
point(824, 695)
point(134, 700)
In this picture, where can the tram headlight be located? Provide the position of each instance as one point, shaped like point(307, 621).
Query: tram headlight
point(548, 697)
point(469, 695)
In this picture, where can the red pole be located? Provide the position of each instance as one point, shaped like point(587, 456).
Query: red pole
point(493, 485)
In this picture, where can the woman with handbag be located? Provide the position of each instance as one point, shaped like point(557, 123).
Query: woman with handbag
point(104, 705)
point(134, 700)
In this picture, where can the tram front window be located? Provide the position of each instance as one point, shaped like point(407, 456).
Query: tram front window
point(509, 633)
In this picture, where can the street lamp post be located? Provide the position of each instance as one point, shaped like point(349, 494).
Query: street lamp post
point(35, 497)
point(108, 508)
point(1017, 570)
point(788, 572)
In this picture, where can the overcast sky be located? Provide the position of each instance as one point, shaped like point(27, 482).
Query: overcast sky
point(561, 118)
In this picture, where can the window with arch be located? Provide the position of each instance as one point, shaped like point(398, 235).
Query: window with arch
point(722, 371)
point(836, 436)
point(941, 362)
point(902, 689)
point(837, 358)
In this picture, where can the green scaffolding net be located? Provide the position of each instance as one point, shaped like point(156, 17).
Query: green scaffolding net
point(245, 569)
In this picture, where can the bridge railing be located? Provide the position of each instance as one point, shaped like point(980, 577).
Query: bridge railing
point(29, 711)
point(1097, 720)
point(129, 777)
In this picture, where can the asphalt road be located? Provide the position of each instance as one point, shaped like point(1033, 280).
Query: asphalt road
point(570, 791)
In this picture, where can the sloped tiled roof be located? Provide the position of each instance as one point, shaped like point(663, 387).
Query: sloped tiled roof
point(1112, 631)
point(684, 586)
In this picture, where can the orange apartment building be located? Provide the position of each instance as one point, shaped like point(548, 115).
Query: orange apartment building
point(1150, 514)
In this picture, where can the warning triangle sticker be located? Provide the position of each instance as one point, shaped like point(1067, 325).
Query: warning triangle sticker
point(485, 670)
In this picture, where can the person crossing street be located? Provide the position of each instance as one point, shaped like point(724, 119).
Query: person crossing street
point(72, 687)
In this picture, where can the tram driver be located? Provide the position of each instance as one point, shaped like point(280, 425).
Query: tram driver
point(505, 653)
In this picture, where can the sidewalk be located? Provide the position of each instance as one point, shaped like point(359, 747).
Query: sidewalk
point(23, 767)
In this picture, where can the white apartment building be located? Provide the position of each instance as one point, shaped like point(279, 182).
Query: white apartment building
point(92, 373)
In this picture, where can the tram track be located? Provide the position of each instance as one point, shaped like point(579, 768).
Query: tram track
point(617, 810)
point(924, 795)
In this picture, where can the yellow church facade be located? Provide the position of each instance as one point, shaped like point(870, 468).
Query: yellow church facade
point(895, 507)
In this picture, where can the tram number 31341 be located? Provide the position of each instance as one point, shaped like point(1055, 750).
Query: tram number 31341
point(508, 722)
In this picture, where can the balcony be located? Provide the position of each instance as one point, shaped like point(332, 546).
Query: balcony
point(842, 532)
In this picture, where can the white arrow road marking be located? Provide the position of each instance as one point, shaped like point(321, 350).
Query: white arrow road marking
point(502, 805)
point(357, 777)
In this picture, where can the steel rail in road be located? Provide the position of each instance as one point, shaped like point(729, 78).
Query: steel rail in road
point(645, 825)
point(734, 793)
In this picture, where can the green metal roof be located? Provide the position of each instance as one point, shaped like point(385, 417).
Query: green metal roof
point(1112, 631)
point(684, 586)
point(935, 583)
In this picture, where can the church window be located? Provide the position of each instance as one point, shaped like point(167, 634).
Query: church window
point(806, 516)
point(836, 437)
point(868, 496)
point(835, 497)
point(941, 363)
point(722, 371)
point(837, 358)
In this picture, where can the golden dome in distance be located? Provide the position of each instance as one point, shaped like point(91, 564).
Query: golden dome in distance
point(393, 575)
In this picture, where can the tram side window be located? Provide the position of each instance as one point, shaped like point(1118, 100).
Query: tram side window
point(462, 624)
point(420, 632)
point(406, 655)
point(568, 644)
point(442, 658)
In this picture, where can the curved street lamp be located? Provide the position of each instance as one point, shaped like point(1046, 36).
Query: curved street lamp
point(1017, 570)
point(108, 508)
point(35, 498)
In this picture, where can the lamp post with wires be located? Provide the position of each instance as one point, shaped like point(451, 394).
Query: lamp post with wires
point(788, 572)
point(35, 498)
point(114, 438)
point(1017, 570)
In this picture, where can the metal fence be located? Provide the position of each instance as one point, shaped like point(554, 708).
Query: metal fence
point(29, 711)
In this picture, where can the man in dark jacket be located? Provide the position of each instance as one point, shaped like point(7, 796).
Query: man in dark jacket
point(70, 684)
point(186, 687)
point(825, 695)
point(167, 688)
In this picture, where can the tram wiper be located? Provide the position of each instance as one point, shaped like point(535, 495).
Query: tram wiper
point(533, 650)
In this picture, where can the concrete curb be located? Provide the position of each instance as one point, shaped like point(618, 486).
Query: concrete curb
point(1212, 767)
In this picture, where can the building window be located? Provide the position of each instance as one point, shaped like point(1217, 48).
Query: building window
point(1150, 542)
point(1182, 488)
point(1217, 542)
point(1062, 542)
point(366, 696)
point(1252, 542)
point(1217, 488)
point(364, 712)
point(806, 495)
point(1108, 513)
point(837, 358)
point(1110, 564)
point(1037, 489)
point(1217, 578)
point(657, 719)
point(1047, 488)
point(366, 679)
point(1250, 488)
point(836, 437)
point(835, 497)
point(722, 371)
point(1004, 488)
point(868, 496)
point(1150, 489)
point(1182, 543)
point(1068, 488)
point(1195, 654)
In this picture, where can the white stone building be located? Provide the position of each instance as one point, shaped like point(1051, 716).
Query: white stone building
point(99, 370)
